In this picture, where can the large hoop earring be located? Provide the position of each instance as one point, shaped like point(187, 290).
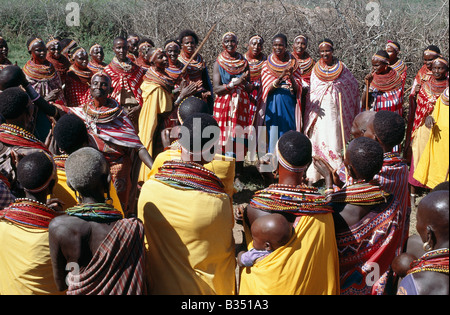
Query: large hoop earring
point(426, 247)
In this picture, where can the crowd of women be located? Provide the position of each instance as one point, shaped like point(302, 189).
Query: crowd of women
point(131, 108)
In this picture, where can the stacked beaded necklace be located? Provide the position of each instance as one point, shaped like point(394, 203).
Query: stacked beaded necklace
point(39, 72)
point(386, 82)
point(297, 200)
point(190, 175)
point(104, 114)
point(276, 66)
point(195, 68)
point(28, 213)
point(444, 97)
point(85, 75)
point(126, 66)
point(162, 79)
point(60, 161)
point(174, 69)
point(233, 65)
point(14, 135)
point(306, 64)
point(328, 73)
point(399, 66)
point(436, 260)
point(255, 66)
point(97, 212)
point(95, 66)
point(360, 193)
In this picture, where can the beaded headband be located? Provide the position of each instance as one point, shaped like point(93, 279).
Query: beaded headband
point(153, 56)
point(172, 43)
point(324, 43)
point(34, 41)
point(381, 58)
point(256, 37)
point(76, 50)
point(391, 44)
point(132, 37)
point(286, 164)
point(94, 46)
point(440, 59)
point(67, 48)
point(53, 176)
point(100, 74)
point(431, 52)
point(53, 41)
point(229, 33)
point(301, 36)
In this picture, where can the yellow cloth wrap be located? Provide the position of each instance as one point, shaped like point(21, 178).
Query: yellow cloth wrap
point(223, 167)
point(433, 165)
point(63, 192)
point(189, 240)
point(156, 100)
point(308, 264)
point(26, 267)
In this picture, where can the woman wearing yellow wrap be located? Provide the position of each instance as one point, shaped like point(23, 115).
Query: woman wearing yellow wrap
point(188, 221)
point(308, 263)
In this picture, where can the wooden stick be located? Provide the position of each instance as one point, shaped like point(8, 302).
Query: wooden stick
point(367, 94)
point(343, 135)
point(198, 49)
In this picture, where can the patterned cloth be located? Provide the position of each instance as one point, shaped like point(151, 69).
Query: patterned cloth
point(255, 66)
point(112, 133)
point(282, 107)
point(126, 76)
point(234, 108)
point(118, 265)
point(426, 99)
point(77, 90)
point(322, 113)
point(368, 244)
point(387, 92)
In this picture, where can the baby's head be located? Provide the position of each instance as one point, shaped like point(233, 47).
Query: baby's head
point(271, 231)
point(401, 264)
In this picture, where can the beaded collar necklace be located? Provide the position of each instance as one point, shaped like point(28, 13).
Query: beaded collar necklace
point(104, 114)
point(360, 193)
point(15, 135)
point(84, 75)
point(297, 200)
point(276, 66)
point(28, 213)
point(386, 82)
point(196, 64)
point(444, 97)
point(436, 260)
point(328, 73)
point(60, 161)
point(306, 64)
point(39, 71)
point(233, 65)
point(162, 79)
point(190, 175)
point(255, 65)
point(97, 212)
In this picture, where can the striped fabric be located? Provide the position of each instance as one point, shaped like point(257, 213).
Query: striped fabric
point(390, 100)
point(117, 130)
point(130, 79)
point(117, 267)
